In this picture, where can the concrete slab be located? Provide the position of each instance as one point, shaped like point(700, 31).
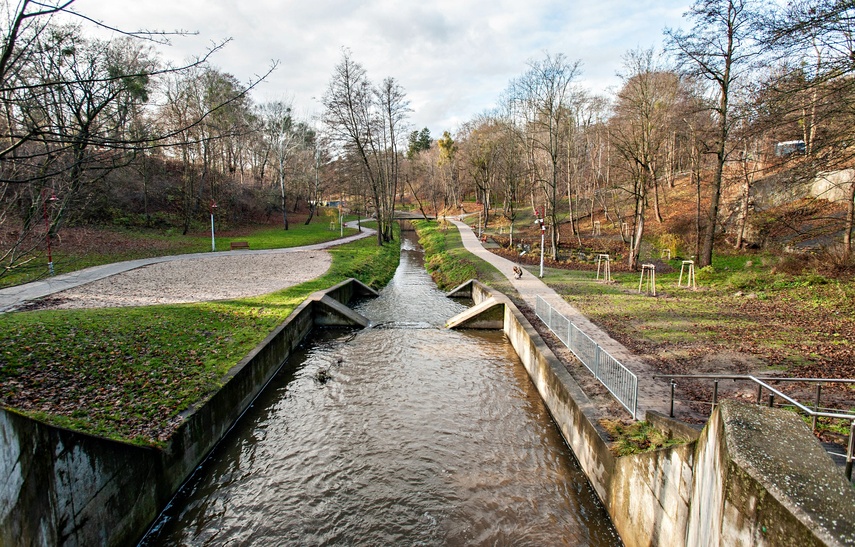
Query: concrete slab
point(489, 314)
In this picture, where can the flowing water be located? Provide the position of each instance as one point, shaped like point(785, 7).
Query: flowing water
point(400, 434)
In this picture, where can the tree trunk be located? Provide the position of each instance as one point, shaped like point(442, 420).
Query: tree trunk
point(850, 223)
point(638, 232)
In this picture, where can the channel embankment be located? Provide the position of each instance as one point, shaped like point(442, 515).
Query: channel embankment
point(61, 487)
point(752, 476)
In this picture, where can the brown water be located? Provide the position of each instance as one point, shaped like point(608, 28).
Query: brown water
point(421, 436)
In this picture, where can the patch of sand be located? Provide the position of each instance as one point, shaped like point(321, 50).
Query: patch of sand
point(196, 280)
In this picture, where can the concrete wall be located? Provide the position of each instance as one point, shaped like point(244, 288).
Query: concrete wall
point(64, 487)
point(833, 185)
point(761, 479)
point(753, 476)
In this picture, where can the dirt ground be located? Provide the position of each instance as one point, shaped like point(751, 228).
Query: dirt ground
point(195, 280)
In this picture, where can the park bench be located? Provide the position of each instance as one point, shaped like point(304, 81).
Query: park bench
point(239, 245)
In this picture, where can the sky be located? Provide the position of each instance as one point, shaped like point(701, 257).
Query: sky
point(452, 57)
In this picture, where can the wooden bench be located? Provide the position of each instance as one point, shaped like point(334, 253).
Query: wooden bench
point(239, 245)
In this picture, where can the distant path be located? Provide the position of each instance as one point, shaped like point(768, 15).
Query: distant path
point(652, 395)
point(13, 297)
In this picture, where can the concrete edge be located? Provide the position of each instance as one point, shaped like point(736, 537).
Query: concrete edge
point(489, 314)
point(699, 492)
point(464, 290)
point(66, 487)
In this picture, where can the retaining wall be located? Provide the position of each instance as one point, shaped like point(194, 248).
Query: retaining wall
point(753, 476)
point(65, 487)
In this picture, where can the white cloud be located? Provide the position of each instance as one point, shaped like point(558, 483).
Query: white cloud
point(453, 57)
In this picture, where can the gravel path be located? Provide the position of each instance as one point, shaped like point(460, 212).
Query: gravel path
point(195, 280)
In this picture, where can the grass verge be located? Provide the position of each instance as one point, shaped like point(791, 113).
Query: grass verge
point(450, 264)
point(126, 373)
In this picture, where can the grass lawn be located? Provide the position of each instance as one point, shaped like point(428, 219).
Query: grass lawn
point(803, 325)
point(748, 315)
point(126, 373)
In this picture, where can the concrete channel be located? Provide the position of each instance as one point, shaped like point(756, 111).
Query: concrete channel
point(753, 476)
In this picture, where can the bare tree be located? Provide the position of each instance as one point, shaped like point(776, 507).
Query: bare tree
point(368, 122)
point(814, 43)
point(286, 138)
point(546, 99)
point(70, 106)
point(640, 132)
point(719, 49)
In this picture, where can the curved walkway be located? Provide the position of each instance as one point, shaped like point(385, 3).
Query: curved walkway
point(652, 395)
point(12, 297)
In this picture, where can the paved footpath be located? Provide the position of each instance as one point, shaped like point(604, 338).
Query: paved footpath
point(652, 394)
point(12, 297)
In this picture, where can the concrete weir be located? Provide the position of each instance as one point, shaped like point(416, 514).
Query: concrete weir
point(61, 487)
point(753, 476)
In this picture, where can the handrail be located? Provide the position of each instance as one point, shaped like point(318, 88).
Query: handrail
point(767, 378)
point(761, 383)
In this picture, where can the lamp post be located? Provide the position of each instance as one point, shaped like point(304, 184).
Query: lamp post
point(341, 215)
point(213, 241)
point(479, 222)
point(45, 201)
point(540, 221)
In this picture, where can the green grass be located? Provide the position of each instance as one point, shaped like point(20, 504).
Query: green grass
point(801, 324)
point(637, 438)
point(276, 238)
point(126, 373)
point(450, 264)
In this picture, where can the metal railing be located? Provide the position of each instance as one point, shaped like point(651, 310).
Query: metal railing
point(619, 380)
point(762, 383)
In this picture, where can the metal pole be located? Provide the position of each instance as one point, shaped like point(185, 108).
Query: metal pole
point(816, 405)
point(850, 451)
point(213, 241)
point(47, 230)
point(714, 396)
point(542, 243)
point(673, 385)
point(771, 400)
point(759, 394)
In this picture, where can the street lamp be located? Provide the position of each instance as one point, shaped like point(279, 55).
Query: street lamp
point(213, 241)
point(540, 221)
point(45, 201)
point(341, 215)
point(479, 221)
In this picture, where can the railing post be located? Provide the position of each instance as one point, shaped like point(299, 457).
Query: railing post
point(597, 361)
point(816, 405)
point(635, 402)
point(673, 385)
point(771, 400)
point(850, 451)
point(714, 397)
point(759, 394)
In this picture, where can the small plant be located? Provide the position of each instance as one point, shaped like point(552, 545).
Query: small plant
point(637, 437)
